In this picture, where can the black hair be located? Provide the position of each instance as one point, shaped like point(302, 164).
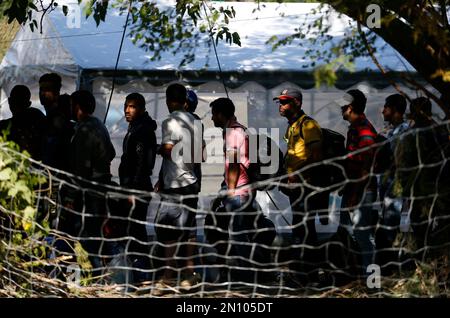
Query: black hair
point(85, 100)
point(420, 106)
point(223, 106)
point(52, 78)
point(176, 93)
point(359, 100)
point(137, 98)
point(191, 101)
point(21, 93)
point(397, 102)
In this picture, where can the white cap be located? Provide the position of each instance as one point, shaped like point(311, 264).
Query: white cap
point(345, 100)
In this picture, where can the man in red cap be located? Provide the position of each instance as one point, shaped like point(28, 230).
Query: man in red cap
point(304, 147)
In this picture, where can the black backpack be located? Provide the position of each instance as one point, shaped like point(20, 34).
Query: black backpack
point(333, 145)
point(261, 168)
point(383, 158)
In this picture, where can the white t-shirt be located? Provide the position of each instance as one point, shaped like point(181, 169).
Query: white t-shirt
point(184, 132)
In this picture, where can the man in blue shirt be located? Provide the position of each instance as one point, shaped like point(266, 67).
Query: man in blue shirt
point(393, 113)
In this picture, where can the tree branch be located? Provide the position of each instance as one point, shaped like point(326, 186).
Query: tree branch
point(423, 51)
point(443, 7)
point(429, 94)
point(377, 63)
point(44, 12)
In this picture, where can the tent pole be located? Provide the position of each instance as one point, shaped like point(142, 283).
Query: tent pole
point(117, 61)
point(215, 50)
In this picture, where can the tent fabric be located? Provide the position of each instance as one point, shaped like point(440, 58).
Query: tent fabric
point(85, 57)
point(32, 54)
point(88, 50)
point(100, 51)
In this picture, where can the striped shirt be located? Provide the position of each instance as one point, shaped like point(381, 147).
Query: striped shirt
point(360, 134)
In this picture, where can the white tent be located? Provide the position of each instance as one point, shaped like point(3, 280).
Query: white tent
point(85, 57)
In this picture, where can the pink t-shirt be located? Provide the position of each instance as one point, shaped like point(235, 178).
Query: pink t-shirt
point(236, 140)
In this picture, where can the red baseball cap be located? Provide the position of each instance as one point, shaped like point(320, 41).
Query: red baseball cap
point(289, 94)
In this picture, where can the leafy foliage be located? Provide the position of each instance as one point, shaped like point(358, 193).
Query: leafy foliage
point(153, 26)
point(327, 55)
point(17, 184)
point(179, 29)
point(18, 208)
point(418, 30)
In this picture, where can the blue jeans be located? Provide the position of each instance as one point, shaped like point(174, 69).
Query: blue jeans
point(391, 215)
point(363, 222)
point(241, 227)
point(389, 224)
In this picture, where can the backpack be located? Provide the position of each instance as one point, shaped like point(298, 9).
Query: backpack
point(383, 157)
point(333, 145)
point(261, 169)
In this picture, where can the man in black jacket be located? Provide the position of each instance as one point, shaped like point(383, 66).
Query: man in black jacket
point(135, 170)
point(28, 125)
point(60, 129)
point(91, 153)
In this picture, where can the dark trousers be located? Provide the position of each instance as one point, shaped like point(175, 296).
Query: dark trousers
point(387, 232)
point(138, 246)
point(242, 229)
point(91, 231)
point(82, 215)
point(305, 204)
point(303, 219)
point(137, 228)
point(389, 224)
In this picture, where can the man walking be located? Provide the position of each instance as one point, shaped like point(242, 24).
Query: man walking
point(361, 189)
point(181, 150)
point(393, 112)
point(91, 153)
point(60, 127)
point(28, 125)
point(304, 147)
point(135, 170)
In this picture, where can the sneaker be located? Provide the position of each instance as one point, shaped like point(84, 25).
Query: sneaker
point(190, 281)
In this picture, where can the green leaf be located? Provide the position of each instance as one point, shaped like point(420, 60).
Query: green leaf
point(20, 187)
point(5, 174)
point(272, 39)
point(236, 38)
point(89, 8)
point(28, 217)
point(31, 5)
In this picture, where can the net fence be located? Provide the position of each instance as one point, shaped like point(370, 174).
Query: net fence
point(68, 237)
